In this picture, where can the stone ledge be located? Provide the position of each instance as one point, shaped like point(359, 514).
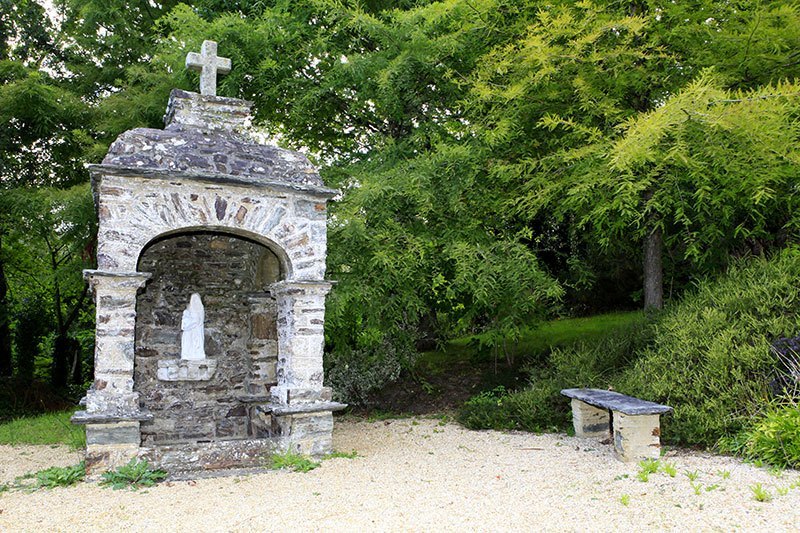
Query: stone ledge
point(98, 170)
point(186, 369)
point(280, 410)
point(82, 417)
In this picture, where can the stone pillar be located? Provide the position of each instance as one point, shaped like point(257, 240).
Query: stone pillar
point(590, 421)
point(262, 344)
point(301, 316)
point(637, 437)
point(112, 412)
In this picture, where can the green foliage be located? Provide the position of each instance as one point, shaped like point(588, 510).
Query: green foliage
point(710, 357)
point(775, 437)
point(532, 410)
point(134, 475)
point(625, 499)
point(760, 494)
point(61, 476)
point(50, 428)
point(593, 362)
point(707, 356)
point(292, 461)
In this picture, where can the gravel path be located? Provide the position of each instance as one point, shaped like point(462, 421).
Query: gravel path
point(418, 475)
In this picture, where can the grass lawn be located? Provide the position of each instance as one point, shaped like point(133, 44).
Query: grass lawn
point(49, 428)
point(534, 341)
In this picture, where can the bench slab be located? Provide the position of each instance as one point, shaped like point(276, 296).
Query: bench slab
point(615, 401)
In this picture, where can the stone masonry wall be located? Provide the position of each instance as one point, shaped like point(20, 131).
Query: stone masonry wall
point(233, 276)
point(133, 211)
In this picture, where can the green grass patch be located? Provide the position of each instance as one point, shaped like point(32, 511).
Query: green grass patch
point(292, 461)
point(49, 428)
point(532, 343)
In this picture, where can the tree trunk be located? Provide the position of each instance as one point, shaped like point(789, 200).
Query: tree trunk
point(5, 319)
point(61, 360)
point(653, 270)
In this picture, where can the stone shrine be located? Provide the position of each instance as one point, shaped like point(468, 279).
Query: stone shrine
point(203, 229)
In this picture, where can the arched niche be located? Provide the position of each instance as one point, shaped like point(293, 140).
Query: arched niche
point(234, 275)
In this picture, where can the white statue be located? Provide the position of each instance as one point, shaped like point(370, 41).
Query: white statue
point(192, 338)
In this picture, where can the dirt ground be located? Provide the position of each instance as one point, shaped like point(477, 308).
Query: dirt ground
point(422, 475)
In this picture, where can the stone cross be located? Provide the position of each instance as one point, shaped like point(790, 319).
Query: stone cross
point(208, 63)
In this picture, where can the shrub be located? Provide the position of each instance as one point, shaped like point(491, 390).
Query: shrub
point(354, 374)
point(775, 438)
point(531, 409)
point(710, 357)
point(541, 406)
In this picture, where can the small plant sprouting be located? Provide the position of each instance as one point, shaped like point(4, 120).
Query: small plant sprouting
point(669, 469)
point(697, 487)
point(724, 474)
point(776, 471)
point(647, 467)
point(709, 488)
point(783, 491)
point(650, 465)
point(625, 499)
point(692, 475)
point(134, 475)
point(292, 461)
point(760, 493)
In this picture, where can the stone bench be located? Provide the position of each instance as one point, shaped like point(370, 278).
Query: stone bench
point(633, 424)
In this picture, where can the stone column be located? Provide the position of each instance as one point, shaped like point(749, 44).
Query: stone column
point(112, 412)
point(590, 421)
point(637, 437)
point(301, 316)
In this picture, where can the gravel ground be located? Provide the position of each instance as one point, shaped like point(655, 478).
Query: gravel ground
point(418, 475)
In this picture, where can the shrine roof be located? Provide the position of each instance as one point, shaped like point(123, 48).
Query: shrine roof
point(207, 135)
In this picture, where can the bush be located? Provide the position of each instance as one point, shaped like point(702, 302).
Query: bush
point(541, 407)
point(710, 357)
point(775, 439)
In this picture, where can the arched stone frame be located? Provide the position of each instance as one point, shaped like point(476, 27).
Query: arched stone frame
point(135, 210)
point(280, 253)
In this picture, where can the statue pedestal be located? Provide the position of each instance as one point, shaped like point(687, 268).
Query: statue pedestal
point(186, 369)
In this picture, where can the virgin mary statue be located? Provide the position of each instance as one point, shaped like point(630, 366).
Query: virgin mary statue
point(192, 340)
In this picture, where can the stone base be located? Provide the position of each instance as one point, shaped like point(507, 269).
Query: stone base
point(218, 455)
point(307, 433)
point(110, 445)
point(186, 369)
point(637, 437)
point(590, 421)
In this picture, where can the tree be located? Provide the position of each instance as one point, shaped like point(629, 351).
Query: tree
point(46, 248)
point(571, 79)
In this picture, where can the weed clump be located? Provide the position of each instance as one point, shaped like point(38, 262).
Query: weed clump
point(292, 461)
point(134, 475)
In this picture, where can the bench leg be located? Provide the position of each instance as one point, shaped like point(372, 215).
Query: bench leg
point(590, 421)
point(637, 437)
